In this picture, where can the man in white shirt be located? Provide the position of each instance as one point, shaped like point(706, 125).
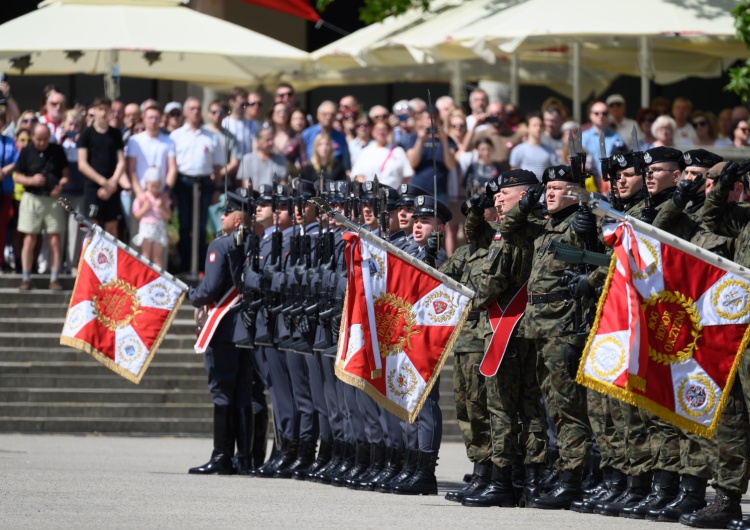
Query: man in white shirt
point(199, 162)
point(478, 102)
point(236, 123)
point(622, 124)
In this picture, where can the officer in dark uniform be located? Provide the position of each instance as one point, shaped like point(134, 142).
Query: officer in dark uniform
point(268, 283)
point(230, 369)
point(429, 424)
point(408, 193)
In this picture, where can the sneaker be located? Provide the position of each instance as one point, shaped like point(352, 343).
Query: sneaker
point(25, 286)
point(55, 286)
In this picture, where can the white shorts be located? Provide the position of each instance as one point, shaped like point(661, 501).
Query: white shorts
point(156, 232)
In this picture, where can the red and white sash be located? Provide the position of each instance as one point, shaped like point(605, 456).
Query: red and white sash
point(503, 323)
point(216, 313)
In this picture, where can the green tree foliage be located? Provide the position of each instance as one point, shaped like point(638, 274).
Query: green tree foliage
point(739, 76)
point(376, 10)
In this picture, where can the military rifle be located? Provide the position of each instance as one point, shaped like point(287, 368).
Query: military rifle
point(609, 173)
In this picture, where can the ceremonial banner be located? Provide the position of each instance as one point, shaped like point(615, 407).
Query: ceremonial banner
point(121, 308)
point(670, 331)
point(398, 326)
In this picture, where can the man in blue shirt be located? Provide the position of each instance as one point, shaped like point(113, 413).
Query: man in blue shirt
point(8, 156)
point(599, 116)
point(326, 112)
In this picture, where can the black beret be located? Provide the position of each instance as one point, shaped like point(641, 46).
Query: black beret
point(622, 160)
point(561, 172)
point(518, 177)
point(701, 158)
point(409, 192)
point(664, 154)
point(425, 207)
point(492, 186)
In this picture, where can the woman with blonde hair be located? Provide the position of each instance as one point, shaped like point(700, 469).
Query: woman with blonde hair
point(663, 130)
point(322, 160)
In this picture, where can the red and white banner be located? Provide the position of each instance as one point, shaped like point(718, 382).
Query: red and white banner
point(297, 8)
point(398, 326)
point(502, 322)
point(121, 309)
point(670, 331)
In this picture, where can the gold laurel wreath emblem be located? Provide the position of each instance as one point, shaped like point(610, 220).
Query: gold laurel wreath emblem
point(651, 268)
point(116, 306)
point(621, 356)
point(732, 299)
point(94, 255)
point(688, 305)
point(710, 396)
point(381, 267)
point(160, 295)
point(387, 324)
point(450, 310)
point(406, 383)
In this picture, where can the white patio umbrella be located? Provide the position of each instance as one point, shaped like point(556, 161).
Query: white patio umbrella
point(663, 40)
point(157, 39)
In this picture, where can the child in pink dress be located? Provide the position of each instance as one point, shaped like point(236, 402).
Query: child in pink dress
point(152, 214)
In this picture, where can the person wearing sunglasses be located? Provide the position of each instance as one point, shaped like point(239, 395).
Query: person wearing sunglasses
point(238, 124)
point(705, 127)
point(740, 133)
point(645, 119)
point(217, 109)
point(600, 126)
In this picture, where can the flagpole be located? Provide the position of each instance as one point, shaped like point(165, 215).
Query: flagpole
point(65, 203)
point(382, 244)
point(602, 208)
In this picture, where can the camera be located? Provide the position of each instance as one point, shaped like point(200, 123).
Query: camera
point(492, 120)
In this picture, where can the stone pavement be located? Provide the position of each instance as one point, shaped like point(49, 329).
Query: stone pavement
point(61, 481)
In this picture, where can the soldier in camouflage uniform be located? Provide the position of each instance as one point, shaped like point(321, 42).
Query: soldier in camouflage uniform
point(513, 394)
point(469, 391)
point(624, 442)
point(665, 165)
point(680, 215)
point(729, 447)
point(547, 313)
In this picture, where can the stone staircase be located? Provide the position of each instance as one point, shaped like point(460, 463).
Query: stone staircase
point(49, 388)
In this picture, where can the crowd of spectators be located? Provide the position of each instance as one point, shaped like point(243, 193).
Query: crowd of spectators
point(134, 167)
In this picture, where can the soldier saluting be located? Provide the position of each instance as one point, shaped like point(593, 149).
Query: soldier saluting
point(549, 309)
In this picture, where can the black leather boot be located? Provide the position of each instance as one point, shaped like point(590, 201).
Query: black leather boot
point(361, 463)
point(567, 491)
point(636, 490)
point(305, 458)
point(423, 481)
point(611, 489)
point(345, 464)
point(480, 480)
point(260, 439)
point(337, 454)
point(500, 491)
point(221, 457)
point(244, 436)
point(690, 499)
point(394, 460)
point(603, 484)
point(594, 475)
point(550, 475)
point(665, 486)
point(408, 468)
point(739, 524)
point(287, 455)
point(718, 514)
point(324, 456)
point(377, 463)
point(531, 486)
